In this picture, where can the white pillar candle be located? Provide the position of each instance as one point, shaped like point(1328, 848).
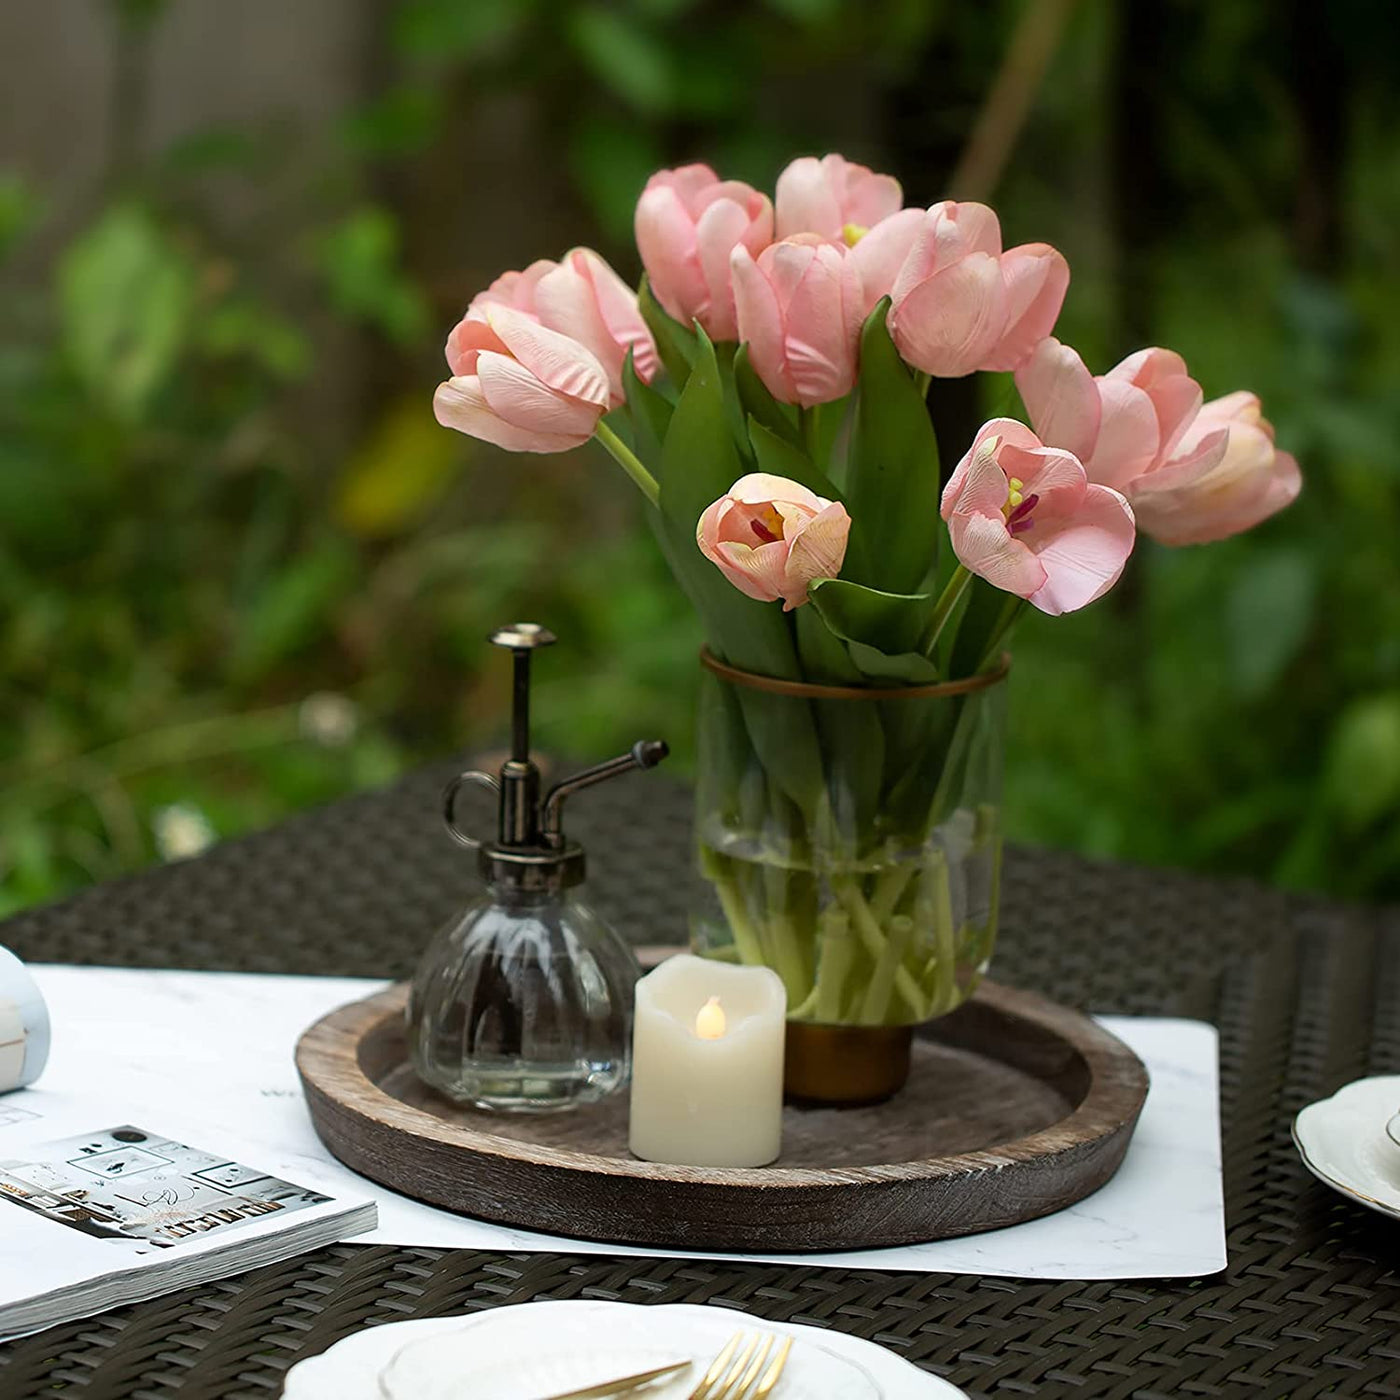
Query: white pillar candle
point(24, 1025)
point(707, 1064)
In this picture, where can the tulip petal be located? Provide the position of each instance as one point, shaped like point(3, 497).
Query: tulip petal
point(1061, 397)
point(460, 404)
point(880, 255)
point(1084, 555)
point(1054, 477)
point(984, 545)
point(1128, 441)
point(819, 337)
point(805, 202)
point(717, 230)
point(617, 304)
point(1004, 430)
point(760, 487)
point(758, 573)
point(759, 321)
point(515, 395)
point(1036, 278)
point(665, 233)
point(817, 551)
point(948, 324)
point(557, 361)
point(1200, 458)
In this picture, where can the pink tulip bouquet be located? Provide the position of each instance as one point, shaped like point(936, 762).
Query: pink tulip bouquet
point(765, 390)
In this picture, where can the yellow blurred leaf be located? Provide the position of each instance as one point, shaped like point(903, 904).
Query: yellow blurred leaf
point(399, 471)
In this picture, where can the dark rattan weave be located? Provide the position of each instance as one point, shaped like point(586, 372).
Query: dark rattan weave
point(1306, 994)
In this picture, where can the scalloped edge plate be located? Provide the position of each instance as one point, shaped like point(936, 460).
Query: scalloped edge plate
point(1348, 1141)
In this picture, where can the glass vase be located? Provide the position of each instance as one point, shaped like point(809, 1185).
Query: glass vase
point(852, 837)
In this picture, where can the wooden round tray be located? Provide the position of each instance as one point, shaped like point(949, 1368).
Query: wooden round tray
point(1016, 1107)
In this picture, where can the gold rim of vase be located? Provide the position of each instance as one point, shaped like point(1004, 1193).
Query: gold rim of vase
point(845, 1066)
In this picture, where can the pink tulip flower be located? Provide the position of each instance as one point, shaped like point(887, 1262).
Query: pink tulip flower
point(1126, 425)
point(799, 309)
point(688, 222)
point(881, 252)
point(1213, 496)
point(961, 304)
point(834, 198)
point(583, 298)
point(770, 537)
point(520, 385)
point(1024, 517)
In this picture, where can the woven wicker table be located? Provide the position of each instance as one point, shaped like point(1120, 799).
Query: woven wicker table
point(1306, 994)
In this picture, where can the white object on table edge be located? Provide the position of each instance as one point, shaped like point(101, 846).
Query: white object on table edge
point(1348, 1143)
point(350, 1369)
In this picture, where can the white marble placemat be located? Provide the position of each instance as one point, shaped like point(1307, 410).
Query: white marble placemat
point(130, 1044)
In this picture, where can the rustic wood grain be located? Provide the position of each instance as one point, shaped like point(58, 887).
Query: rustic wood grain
point(1016, 1107)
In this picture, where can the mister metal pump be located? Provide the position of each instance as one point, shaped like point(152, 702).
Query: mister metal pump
point(523, 1002)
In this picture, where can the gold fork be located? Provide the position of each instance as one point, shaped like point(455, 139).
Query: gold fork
point(731, 1375)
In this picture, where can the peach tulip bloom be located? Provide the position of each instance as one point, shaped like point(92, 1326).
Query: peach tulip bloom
point(1125, 425)
point(961, 304)
point(688, 222)
point(520, 385)
point(799, 309)
point(770, 537)
point(1024, 517)
point(834, 198)
point(1219, 496)
point(583, 298)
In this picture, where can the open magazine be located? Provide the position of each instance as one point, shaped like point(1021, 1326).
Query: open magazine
point(93, 1220)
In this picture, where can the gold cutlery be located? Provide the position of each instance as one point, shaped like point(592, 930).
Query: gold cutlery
point(730, 1376)
point(622, 1385)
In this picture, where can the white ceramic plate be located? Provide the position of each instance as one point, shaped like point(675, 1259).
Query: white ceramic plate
point(515, 1347)
point(1343, 1141)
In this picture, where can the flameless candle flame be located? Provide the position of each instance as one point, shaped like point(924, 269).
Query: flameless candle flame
point(709, 1020)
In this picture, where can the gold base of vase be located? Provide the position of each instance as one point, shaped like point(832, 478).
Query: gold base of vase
point(845, 1066)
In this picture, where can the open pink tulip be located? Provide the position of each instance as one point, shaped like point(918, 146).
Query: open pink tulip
point(1126, 425)
point(520, 385)
point(834, 198)
point(1024, 517)
point(961, 304)
point(799, 309)
point(770, 537)
point(688, 222)
point(1215, 496)
point(583, 298)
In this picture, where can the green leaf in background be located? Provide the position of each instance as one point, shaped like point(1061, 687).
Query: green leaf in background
point(892, 472)
point(291, 607)
point(245, 327)
point(443, 30)
point(126, 295)
point(1268, 614)
point(625, 58)
point(1362, 777)
point(359, 260)
point(19, 208)
point(674, 343)
point(610, 159)
point(882, 631)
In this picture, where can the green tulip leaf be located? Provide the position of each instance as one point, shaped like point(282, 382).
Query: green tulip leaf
point(649, 409)
point(892, 487)
point(674, 343)
point(759, 404)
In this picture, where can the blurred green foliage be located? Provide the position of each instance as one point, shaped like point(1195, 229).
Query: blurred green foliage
point(242, 570)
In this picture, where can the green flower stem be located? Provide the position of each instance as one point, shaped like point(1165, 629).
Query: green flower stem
point(629, 462)
point(876, 1004)
point(922, 379)
point(746, 938)
point(874, 942)
point(943, 608)
point(1006, 619)
point(834, 960)
point(938, 905)
point(889, 889)
point(783, 943)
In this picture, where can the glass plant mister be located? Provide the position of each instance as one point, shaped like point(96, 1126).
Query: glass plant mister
point(523, 1002)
